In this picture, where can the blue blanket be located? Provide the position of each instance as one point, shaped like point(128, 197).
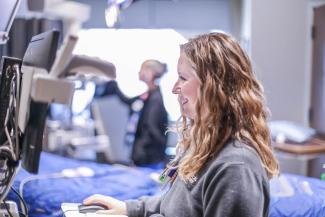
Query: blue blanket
point(291, 195)
point(297, 196)
point(44, 194)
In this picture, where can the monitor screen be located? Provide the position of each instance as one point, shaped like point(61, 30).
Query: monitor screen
point(40, 53)
point(41, 50)
point(8, 10)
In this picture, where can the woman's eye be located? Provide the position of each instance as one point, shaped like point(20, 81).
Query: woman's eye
point(182, 78)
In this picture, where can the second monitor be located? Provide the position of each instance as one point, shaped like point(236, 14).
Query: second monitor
point(40, 54)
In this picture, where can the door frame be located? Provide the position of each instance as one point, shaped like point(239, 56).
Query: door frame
point(309, 54)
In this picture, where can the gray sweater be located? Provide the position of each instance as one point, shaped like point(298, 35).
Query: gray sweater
point(233, 184)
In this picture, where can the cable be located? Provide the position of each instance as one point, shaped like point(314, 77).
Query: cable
point(7, 174)
point(66, 173)
point(22, 214)
point(31, 178)
point(5, 181)
point(6, 129)
point(6, 207)
point(22, 201)
point(8, 169)
point(8, 117)
point(13, 105)
point(6, 147)
point(9, 184)
point(9, 150)
point(16, 68)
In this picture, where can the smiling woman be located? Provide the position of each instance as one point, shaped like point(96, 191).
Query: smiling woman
point(224, 158)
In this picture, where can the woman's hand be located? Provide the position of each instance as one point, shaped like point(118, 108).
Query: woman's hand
point(114, 206)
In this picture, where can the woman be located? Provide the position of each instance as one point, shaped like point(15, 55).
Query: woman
point(224, 158)
point(148, 120)
point(149, 139)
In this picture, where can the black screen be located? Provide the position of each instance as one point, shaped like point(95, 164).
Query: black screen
point(40, 53)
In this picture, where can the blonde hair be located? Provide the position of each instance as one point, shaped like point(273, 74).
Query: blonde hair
point(234, 100)
point(158, 67)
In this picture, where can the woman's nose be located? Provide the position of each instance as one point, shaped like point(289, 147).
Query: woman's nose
point(176, 89)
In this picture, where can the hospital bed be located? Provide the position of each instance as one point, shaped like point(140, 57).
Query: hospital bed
point(67, 180)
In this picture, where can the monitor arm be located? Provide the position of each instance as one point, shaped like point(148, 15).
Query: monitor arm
point(46, 88)
point(54, 87)
point(81, 64)
point(49, 89)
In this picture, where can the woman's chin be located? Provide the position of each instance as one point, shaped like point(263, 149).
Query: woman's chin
point(186, 114)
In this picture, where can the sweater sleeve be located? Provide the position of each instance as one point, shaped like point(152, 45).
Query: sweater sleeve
point(147, 206)
point(234, 191)
point(111, 88)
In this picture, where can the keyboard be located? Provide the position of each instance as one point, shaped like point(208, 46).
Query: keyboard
point(71, 209)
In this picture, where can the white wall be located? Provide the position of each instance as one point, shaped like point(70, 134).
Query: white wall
point(279, 35)
point(181, 14)
point(275, 33)
point(191, 17)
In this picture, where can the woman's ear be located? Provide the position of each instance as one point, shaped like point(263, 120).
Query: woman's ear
point(150, 75)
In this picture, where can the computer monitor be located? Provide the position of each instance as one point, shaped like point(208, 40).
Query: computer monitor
point(40, 53)
point(8, 10)
point(41, 50)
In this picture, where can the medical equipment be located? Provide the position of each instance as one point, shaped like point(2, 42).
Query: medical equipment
point(42, 88)
point(35, 85)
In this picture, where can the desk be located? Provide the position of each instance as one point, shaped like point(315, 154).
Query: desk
point(302, 159)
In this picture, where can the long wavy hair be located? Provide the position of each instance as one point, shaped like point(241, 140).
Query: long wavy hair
point(230, 105)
